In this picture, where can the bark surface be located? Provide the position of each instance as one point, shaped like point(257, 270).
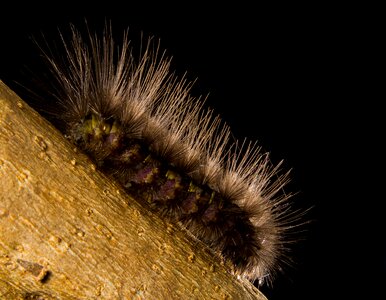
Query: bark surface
point(69, 232)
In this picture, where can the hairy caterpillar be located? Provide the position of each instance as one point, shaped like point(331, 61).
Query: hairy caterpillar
point(140, 124)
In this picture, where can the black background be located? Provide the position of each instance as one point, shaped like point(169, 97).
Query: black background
point(301, 80)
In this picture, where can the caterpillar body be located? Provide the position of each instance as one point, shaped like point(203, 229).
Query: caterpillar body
point(140, 125)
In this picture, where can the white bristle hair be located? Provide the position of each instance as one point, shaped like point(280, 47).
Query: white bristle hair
point(153, 105)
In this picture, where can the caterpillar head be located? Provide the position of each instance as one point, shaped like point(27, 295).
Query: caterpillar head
point(97, 134)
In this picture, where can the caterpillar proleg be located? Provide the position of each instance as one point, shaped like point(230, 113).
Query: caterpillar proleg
point(141, 125)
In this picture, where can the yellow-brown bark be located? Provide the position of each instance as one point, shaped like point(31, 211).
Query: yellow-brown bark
point(69, 232)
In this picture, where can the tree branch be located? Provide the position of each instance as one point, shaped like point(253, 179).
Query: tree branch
point(69, 232)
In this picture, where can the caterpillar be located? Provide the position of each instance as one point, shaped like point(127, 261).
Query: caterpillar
point(140, 124)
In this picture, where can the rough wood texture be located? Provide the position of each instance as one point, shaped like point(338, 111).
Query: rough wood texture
point(68, 232)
